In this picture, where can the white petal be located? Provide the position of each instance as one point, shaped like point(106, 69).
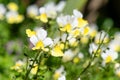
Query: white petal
point(62, 77)
point(103, 55)
point(77, 13)
point(41, 34)
point(33, 40)
point(48, 41)
point(60, 6)
point(42, 10)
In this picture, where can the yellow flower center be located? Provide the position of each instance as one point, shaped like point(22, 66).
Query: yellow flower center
point(39, 45)
point(57, 51)
point(93, 33)
point(56, 76)
point(30, 33)
point(84, 40)
point(108, 59)
point(76, 32)
point(82, 22)
point(66, 28)
point(76, 60)
point(86, 30)
point(43, 18)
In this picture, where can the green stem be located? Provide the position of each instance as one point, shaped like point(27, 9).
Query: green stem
point(39, 60)
point(28, 71)
point(89, 64)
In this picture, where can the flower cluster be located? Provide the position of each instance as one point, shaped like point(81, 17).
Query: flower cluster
point(71, 41)
point(11, 13)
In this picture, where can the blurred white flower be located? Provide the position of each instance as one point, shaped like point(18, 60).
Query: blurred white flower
point(115, 43)
point(117, 72)
point(18, 66)
point(68, 55)
point(2, 11)
point(93, 30)
point(59, 74)
point(66, 23)
point(50, 10)
point(32, 11)
point(93, 48)
point(62, 77)
point(100, 36)
point(79, 17)
point(109, 55)
point(14, 17)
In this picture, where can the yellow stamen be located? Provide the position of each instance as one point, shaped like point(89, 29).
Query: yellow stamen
point(86, 30)
point(30, 33)
point(57, 51)
point(108, 59)
point(82, 22)
point(39, 45)
point(66, 28)
point(43, 18)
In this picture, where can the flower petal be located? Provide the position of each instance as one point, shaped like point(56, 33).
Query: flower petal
point(33, 40)
point(41, 34)
point(48, 41)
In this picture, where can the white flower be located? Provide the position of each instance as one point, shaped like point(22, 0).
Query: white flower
point(79, 17)
point(80, 55)
point(18, 66)
point(115, 45)
point(62, 77)
point(100, 36)
point(50, 10)
point(93, 48)
point(68, 55)
point(117, 72)
point(32, 11)
point(66, 23)
point(2, 11)
point(59, 74)
point(109, 55)
point(93, 30)
point(39, 38)
point(14, 17)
